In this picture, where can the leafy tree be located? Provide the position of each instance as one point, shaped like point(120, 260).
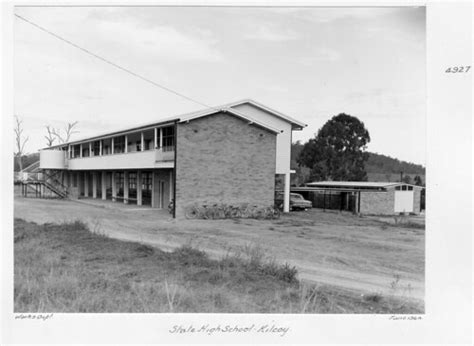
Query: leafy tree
point(418, 181)
point(337, 152)
point(302, 173)
point(406, 179)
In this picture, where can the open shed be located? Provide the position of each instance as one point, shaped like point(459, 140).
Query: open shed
point(382, 198)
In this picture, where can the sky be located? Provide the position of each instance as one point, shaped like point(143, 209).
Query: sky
point(309, 63)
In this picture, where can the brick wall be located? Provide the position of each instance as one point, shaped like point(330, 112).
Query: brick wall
point(223, 159)
point(377, 202)
point(384, 202)
point(416, 200)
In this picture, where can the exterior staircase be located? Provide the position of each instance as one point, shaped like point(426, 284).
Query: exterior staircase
point(43, 185)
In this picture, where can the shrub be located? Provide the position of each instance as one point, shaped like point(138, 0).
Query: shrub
point(226, 211)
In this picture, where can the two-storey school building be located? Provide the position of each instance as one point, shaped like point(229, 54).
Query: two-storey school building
point(227, 154)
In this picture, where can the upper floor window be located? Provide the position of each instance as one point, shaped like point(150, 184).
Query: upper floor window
point(96, 148)
point(119, 144)
point(76, 150)
point(168, 138)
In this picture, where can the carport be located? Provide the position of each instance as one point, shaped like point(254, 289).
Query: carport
point(377, 198)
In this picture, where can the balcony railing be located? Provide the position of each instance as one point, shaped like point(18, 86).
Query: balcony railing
point(164, 154)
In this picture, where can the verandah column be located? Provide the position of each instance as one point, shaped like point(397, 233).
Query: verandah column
point(286, 195)
point(94, 184)
point(154, 190)
point(103, 184)
point(86, 184)
point(139, 188)
point(125, 187)
point(114, 187)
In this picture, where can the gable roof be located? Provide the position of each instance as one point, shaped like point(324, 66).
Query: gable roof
point(251, 120)
point(297, 125)
point(194, 115)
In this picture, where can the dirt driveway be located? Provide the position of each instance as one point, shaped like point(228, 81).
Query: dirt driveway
point(360, 254)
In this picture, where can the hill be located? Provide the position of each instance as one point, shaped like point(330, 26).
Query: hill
point(379, 167)
point(379, 163)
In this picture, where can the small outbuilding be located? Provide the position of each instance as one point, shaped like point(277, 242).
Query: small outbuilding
point(382, 198)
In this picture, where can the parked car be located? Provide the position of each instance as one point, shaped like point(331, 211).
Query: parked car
point(297, 201)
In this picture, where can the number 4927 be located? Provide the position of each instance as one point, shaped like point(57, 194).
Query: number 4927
point(458, 69)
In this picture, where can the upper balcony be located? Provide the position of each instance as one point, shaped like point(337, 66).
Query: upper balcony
point(146, 149)
point(147, 159)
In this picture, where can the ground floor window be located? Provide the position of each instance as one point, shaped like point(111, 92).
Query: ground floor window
point(132, 187)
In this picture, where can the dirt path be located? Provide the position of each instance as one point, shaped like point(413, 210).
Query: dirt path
point(343, 250)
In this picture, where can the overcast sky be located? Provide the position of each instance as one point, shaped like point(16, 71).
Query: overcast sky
point(310, 63)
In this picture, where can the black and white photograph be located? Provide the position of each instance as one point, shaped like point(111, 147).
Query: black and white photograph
point(207, 159)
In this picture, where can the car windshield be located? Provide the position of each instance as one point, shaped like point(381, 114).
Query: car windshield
point(295, 196)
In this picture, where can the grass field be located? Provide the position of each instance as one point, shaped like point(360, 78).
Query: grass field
point(67, 268)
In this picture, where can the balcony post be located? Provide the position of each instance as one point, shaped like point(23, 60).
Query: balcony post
point(100, 147)
point(125, 187)
point(80, 151)
point(139, 188)
point(90, 149)
point(112, 149)
point(142, 142)
point(126, 143)
point(161, 138)
point(155, 131)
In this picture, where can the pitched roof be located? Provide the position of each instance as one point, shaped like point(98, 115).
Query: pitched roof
point(297, 124)
point(227, 108)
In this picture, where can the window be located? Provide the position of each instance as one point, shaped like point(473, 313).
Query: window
point(76, 151)
point(168, 138)
point(410, 188)
point(146, 181)
point(132, 181)
point(106, 146)
point(148, 144)
point(398, 188)
point(119, 144)
point(404, 187)
point(96, 148)
point(85, 150)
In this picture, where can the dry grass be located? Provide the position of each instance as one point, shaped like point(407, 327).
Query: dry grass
point(66, 268)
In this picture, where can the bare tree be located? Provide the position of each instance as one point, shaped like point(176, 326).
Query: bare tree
point(50, 138)
point(68, 132)
point(20, 141)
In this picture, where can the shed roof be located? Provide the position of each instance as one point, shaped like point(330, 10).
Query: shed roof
point(356, 184)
